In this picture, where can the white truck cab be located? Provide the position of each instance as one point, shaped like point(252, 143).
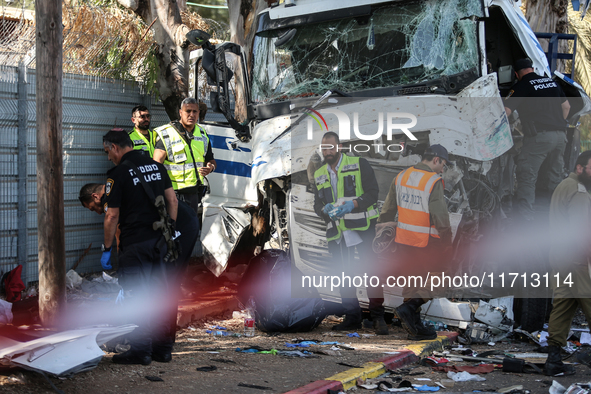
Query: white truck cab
point(393, 77)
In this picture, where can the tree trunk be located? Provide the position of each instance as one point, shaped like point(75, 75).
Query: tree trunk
point(50, 179)
point(243, 23)
point(549, 16)
point(172, 56)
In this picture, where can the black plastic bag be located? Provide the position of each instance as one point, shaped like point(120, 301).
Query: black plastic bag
point(268, 281)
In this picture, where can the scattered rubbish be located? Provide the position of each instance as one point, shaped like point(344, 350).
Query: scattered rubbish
point(437, 325)
point(254, 386)
point(249, 318)
point(368, 335)
point(543, 341)
point(481, 368)
point(221, 360)
point(527, 334)
point(427, 388)
point(295, 353)
point(423, 379)
point(557, 388)
point(368, 386)
point(73, 280)
point(353, 335)
point(405, 383)
point(32, 292)
point(457, 314)
point(585, 338)
point(5, 312)
point(154, 378)
point(13, 284)
point(495, 316)
point(518, 365)
point(429, 361)
point(510, 389)
point(579, 388)
point(62, 354)
point(219, 328)
point(329, 343)
point(218, 333)
point(296, 344)
point(238, 314)
point(446, 383)
point(207, 369)
point(96, 287)
point(464, 377)
point(268, 280)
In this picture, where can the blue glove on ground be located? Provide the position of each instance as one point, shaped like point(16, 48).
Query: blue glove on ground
point(106, 260)
point(327, 209)
point(344, 209)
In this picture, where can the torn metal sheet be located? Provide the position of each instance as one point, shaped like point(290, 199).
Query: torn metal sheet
point(494, 316)
point(457, 314)
point(223, 227)
point(61, 354)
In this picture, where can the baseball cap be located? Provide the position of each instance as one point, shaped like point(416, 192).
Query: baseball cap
point(437, 151)
point(523, 63)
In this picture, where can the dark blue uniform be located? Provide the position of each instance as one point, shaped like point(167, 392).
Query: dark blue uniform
point(538, 100)
point(142, 273)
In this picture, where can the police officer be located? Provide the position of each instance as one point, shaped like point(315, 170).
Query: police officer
point(345, 197)
point(542, 108)
point(142, 273)
point(141, 136)
point(570, 213)
point(92, 196)
point(423, 231)
point(185, 150)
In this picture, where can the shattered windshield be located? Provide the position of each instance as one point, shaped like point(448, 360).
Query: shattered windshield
point(399, 44)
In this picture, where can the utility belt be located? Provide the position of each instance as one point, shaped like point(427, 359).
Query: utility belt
point(530, 129)
point(199, 190)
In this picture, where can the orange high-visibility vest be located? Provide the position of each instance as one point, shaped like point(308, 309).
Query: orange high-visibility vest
point(413, 188)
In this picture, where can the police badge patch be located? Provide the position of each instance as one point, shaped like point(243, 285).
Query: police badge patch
point(109, 186)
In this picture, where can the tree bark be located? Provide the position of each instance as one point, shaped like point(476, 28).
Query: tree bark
point(242, 15)
point(50, 181)
point(172, 56)
point(549, 16)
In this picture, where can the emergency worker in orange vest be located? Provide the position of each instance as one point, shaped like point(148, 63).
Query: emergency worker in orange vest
point(423, 233)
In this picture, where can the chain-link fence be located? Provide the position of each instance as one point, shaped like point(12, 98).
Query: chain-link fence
point(107, 56)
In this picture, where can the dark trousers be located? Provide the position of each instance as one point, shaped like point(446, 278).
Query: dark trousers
point(344, 258)
point(144, 277)
point(189, 229)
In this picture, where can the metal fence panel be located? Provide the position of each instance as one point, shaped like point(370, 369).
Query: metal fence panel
point(91, 106)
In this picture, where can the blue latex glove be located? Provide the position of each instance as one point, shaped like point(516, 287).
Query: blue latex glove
point(344, 209)
point(106, 260)
point(327, 208)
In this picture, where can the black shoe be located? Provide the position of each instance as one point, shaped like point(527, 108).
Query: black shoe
point(407, 315)
point(423, 332)
point(554, 364)
point(379, 324)
point(131, 357)
point(348, 324)
point(165, 357)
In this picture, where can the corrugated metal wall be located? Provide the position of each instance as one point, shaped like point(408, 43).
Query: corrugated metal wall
point(91, 106)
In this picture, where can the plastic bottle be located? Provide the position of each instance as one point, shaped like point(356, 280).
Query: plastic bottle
point(249, 318)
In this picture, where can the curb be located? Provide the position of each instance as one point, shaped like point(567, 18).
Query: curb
point(348, 379)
